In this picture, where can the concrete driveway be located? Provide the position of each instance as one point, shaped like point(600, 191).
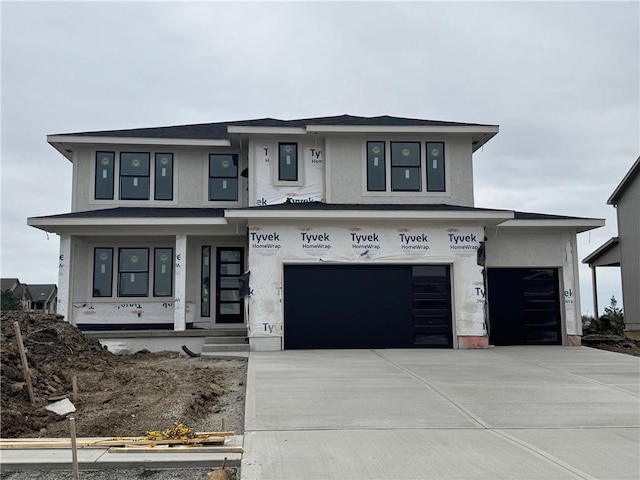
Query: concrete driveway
point(502, 413)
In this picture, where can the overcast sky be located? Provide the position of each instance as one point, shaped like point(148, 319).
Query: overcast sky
point(561, 80)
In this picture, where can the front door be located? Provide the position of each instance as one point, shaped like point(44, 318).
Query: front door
point(229, 268)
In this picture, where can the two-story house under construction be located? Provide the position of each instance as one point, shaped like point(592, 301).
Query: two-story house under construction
point(335, 232)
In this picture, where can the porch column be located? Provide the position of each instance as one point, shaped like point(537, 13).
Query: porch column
point(180, 285)
point(573, 322)
point(64, 278)
point(594, 285)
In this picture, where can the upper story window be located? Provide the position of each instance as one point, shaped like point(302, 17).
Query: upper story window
point(134, 176)
point(409, 169)
point(288, 162)
point(163, 184)
point(376, 167)
point(435, 167)
point(223, 177)
point(134, 170)
point(104, 175)
point(405, 166)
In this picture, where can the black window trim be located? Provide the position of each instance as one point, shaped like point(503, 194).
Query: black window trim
point(95, 174)
point(384, 164)
point(424, 154)
point(147, 176)
point(444, 167)
point(297, 162)
point(236, 177)
point(419, 166)
point(146, 295)
point(171, 262)
point(155, 176)
point(93, 285)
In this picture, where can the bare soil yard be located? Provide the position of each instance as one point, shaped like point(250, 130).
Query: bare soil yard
point(118, 395)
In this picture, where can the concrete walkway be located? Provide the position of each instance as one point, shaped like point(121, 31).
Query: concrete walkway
point(502, 413)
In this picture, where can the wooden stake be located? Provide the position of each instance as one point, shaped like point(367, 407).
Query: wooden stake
point(74, 382)
point(25, 364)
point(222, 426)
point(74, 449)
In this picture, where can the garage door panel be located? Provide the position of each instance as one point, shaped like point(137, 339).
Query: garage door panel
point(355, 306)
point(524, 306)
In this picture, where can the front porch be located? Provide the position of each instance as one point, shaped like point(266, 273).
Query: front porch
point(225, 341)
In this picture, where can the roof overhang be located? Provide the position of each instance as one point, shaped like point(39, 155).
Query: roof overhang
point(266, 130)
point(489, 218)
point(606, 255)
point(624, 183)
point(128, 226)
point(64, 143)
point(578, 224)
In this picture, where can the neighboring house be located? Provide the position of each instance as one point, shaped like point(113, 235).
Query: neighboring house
point(19, 290)
point(44, 298)
point(624, 250)
point(357, 232)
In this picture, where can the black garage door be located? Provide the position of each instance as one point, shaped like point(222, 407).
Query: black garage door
point(373, 306)
point(524, 306)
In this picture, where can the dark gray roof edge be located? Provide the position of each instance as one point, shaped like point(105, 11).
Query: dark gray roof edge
point(315, 206)
point(545, 216)
point(218, 130)
point(142, 212)
point(601, 250)
point(624, 183)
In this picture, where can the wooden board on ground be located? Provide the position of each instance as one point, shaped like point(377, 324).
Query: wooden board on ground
point(202, 438)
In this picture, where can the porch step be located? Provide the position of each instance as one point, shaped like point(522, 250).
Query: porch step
point(238, 347)
point(241, 340)
point(226, 343)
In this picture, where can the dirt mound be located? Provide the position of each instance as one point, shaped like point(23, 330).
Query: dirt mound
point(54, 348)
point(118, 395)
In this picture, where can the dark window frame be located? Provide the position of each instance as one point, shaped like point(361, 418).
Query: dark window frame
point(147, 176)
point(384, 166)
point(205, 281)
point(93, 286)
point(430, 168)
point(98, 161)
point(156, 175)
point(155, 266)
point(417, 167)
point(235, 177)
point(120, 272)
point(296, 162)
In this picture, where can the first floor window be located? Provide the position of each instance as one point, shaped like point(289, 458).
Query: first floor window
point(288, 162)
point(223, 177)
point(205, 282)
point(133, 272)
point(134, 176)
point(405, 167)
point(104, 175)
point(102, 272)
point(162, 272)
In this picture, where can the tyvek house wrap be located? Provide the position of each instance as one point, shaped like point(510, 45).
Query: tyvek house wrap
point(272, 245)
point(310, 174)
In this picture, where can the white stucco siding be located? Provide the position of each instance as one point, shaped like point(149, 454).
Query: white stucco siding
point(190, 178)
point(273, 245)
point(346, 171)
point(508, 248)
